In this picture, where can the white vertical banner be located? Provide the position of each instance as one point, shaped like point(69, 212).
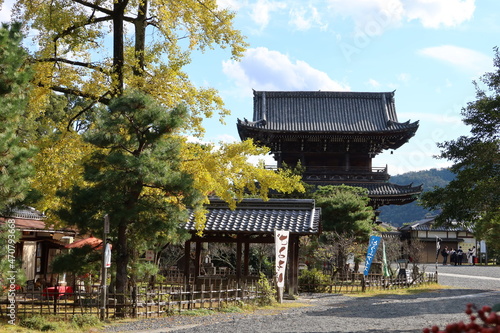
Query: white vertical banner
point(281, 243)
point(107, 255)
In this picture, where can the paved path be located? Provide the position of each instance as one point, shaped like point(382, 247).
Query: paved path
point(339, 313)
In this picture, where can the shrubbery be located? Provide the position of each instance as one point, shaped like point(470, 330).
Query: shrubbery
point(267, 292)
point(313, 280)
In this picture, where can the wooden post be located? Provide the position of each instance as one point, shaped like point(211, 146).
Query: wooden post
point(294, 265)
point(238, 259)
point(197, 262)
point(104, 271)
point(187, 259)
point(246, 260)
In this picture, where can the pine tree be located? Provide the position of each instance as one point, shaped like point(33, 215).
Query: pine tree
point(134, 176)
point(15, 165)
point(345, 210)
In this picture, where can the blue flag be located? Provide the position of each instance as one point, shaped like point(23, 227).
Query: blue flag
point(370, 254)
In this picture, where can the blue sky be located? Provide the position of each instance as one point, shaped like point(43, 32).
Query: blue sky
point(429, 51)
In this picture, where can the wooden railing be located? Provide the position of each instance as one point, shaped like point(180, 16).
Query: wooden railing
point(144, 302)
point(329, 173)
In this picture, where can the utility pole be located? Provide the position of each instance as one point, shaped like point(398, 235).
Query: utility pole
point(105, 264)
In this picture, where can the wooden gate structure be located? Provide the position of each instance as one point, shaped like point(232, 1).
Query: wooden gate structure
point(254, 221)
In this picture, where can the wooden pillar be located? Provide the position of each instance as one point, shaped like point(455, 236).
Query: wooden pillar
point(292, 266)
point(187, 259)
point(295, 265)
point(197, 261)
point(238, 259)
point(246, 260)
point(347, 160)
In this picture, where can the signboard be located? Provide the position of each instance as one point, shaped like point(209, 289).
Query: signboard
point(106, 224)
point(370, 253)
point(150, 255)
point(281, 243)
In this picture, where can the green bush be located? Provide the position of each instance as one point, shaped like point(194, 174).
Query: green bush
point(84, 320)
point(267, 295)
point(37, 323)
point(313, 280)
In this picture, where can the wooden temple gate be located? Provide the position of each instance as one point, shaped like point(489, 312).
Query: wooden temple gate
point(254, 221)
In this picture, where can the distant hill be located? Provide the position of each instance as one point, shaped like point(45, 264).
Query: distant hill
point(398, 215)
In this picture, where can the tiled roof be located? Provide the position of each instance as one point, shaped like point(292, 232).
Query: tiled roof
point(388, 189)
point(25, 213)
point(326, 112)
point(430, 225)
point(384, 189)
point(255, 216)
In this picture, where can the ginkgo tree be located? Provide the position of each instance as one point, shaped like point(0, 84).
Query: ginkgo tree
point(95, 48)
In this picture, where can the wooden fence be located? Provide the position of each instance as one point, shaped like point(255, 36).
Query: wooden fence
point(176, 297)
point(160, 301)
point(357, 283)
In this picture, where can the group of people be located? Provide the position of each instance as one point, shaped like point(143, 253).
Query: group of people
point(457, 256)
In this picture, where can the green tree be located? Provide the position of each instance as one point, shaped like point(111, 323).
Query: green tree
point(345, 210)
point(473, 197)
point(134, 176)
point(15, 167)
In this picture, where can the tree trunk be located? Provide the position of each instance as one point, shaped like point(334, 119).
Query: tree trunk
point(118, 45)
point(122, 258)
point(140, 37)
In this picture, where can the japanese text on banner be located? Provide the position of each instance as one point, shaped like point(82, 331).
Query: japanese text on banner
point(281, 242)
point(370, 254)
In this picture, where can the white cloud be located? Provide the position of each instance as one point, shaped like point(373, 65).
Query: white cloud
point(370, 16)
point(264, 69)
point(434, 13)
point(230, 4)
point(374, 83)
point(374, 16)
point(5, 10)
point(404, 77)
point(262, 9)
point(469, 60)
point(303, 18)
point(432, 118)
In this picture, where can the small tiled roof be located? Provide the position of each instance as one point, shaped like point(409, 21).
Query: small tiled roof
point(255, 216)
point(30, 219)
point(389, 189)
point(430, 225)
point(325, 112)
point(384, 190)
point(25, 213)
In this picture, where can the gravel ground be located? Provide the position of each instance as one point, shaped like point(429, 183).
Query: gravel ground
point(340, 313)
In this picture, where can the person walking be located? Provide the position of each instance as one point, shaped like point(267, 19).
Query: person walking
point(444, 253)
point(473, 256)
point(460, 256)
point(453, 257)
point(469, 257)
